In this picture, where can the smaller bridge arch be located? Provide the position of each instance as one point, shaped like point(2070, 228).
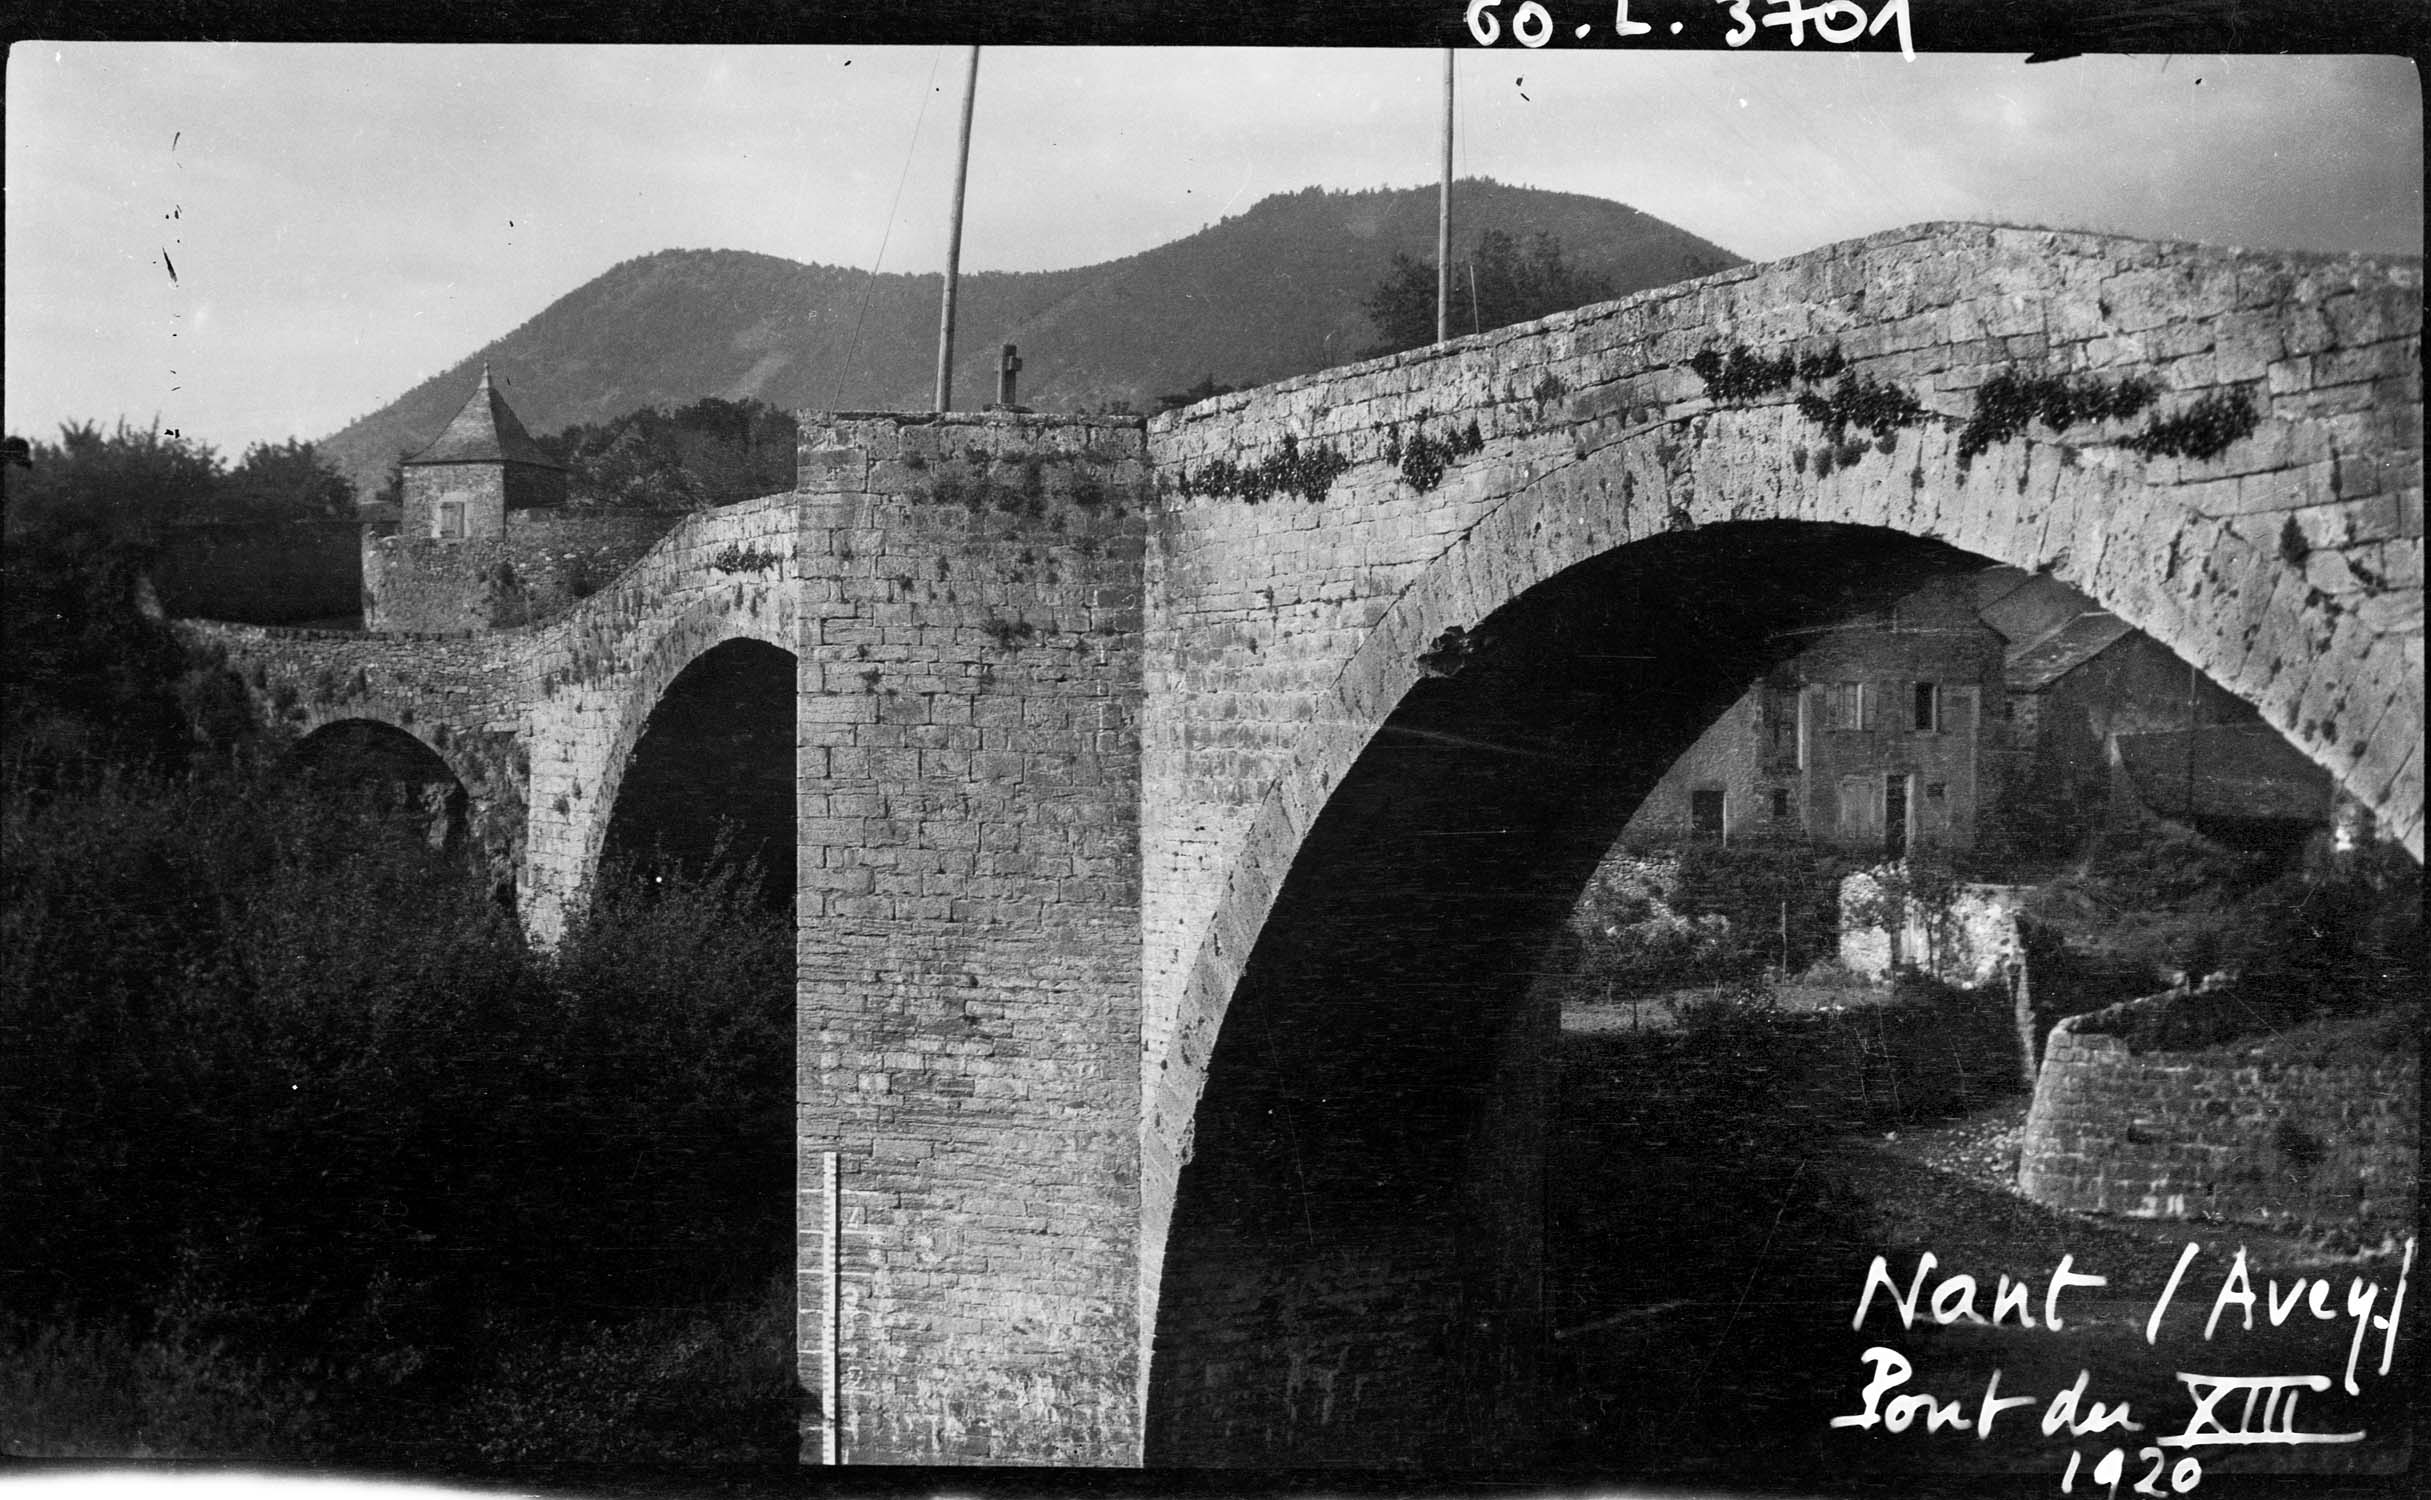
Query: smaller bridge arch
point(404, 770)
point(722, 576)
point(713, 769)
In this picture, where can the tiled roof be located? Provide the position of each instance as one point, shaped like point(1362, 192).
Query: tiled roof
point(485, 431)
point(2037, 664)
point(2037, 606)
point(2230, 770)
point(1996, 583)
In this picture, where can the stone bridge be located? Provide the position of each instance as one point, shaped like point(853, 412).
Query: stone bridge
point(1180, 807)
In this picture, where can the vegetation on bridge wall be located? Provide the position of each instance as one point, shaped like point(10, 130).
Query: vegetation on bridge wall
point(2003, 406)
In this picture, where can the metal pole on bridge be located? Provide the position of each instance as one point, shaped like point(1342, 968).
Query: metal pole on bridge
point(953, 244)
point(1443, 215)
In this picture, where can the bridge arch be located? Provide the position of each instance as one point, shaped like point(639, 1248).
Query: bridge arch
point(712, 772)
point(575, 791)
point(2218, 583)
point(370, 747)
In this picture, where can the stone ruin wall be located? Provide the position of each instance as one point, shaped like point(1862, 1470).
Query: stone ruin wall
point(2246, 1133)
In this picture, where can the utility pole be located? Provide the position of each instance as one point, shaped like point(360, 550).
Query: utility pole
point(953, 244)
point(1443, 215)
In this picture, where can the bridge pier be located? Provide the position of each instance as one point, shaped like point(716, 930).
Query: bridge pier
point(969, 933)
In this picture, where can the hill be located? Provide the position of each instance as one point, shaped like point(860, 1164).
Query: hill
point(1270, 293)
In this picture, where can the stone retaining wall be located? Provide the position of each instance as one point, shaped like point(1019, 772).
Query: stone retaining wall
point(2230, 1133)
point(547, 560)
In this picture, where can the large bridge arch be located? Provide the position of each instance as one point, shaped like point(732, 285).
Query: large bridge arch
point(2277, 562)
point(1356, 1216)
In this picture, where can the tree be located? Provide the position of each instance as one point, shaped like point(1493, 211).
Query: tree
point(122, 486)
point(1501, 282)
point(712, 452)
point(285, 482)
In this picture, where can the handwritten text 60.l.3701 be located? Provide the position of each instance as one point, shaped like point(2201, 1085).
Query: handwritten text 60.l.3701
point(1836, 22)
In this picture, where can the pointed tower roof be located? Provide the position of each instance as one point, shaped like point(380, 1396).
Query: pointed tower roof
point(485, 431)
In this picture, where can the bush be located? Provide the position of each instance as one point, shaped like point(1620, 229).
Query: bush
point(282, 1089)
point(82, 1392)
point(1767, 892)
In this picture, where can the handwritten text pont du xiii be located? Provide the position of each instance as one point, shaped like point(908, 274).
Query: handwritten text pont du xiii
point(2240, 1410)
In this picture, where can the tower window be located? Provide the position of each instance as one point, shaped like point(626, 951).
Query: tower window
point(1705, 813)
point(448, 521)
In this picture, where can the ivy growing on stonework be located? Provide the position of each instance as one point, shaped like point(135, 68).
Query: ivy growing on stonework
point(2203, 430)
point(1879, 407)
point(1293, 470)
point(1743, 375)
point(2004, 406)
point(752, 559)
point(1425, 458)
point(2008, 401)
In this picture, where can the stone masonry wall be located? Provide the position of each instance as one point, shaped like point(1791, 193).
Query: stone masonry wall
point(543, 562)
point(969, 874)
point(462, 698)
point(1283, 629)
point(2235, 1133)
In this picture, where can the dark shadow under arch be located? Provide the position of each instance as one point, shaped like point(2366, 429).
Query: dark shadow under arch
point(711, 779)
point(1357, 1207)
point(399, 775)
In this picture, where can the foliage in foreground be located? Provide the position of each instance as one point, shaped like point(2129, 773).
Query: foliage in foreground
point(287, 1105)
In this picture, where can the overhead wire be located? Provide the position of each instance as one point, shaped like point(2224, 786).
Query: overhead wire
point(852, 345)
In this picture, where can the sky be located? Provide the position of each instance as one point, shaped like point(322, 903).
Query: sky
point(249, 242)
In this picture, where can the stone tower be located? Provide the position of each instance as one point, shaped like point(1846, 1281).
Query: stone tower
point(481, 466)
point(483, 536)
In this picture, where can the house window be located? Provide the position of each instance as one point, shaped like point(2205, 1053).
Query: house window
point(1705, 813)
point(1781, 804)
point(1781, 737)
point(1928, 708)
point(1848, 705)
point(448, 523)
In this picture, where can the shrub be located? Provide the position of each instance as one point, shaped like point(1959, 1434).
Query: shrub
point(281, 1082)
point(101, 1392)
